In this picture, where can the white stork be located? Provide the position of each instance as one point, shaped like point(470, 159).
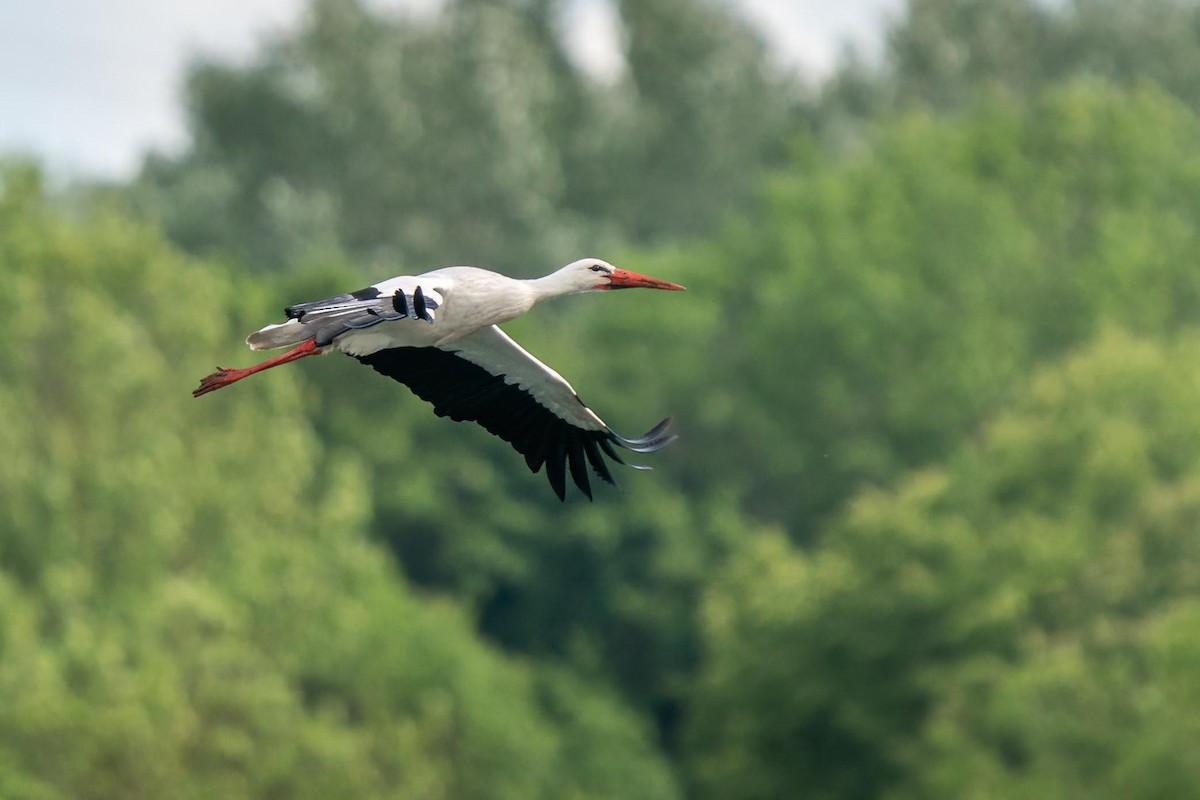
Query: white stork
point(436, 333)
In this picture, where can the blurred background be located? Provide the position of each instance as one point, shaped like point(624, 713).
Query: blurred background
point(932, 527)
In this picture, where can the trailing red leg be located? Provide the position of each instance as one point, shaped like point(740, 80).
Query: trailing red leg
point(223, 377)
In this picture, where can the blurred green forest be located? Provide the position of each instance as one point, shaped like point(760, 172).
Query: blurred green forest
point(932, 527)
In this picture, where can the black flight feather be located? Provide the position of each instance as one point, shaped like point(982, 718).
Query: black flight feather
point(463, 391)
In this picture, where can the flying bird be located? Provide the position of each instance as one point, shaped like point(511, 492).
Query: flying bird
point(437, 334)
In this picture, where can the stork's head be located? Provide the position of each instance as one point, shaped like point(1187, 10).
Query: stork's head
point(592, 274)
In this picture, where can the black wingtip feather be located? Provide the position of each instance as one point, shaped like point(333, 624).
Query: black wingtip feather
point(654, 433)
point(610, 451)
point(535, 447)
point(648, 447)
point(578, 467)
point(556, 469)
point(597, 461)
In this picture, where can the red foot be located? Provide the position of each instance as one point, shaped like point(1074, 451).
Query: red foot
point(219, 379)
point(223, 377)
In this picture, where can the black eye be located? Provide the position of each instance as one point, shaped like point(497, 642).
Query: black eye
point(596, 268)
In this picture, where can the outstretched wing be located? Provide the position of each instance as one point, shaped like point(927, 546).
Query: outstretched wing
point(488, 378)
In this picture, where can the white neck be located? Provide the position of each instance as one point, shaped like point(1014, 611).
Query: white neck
point(555, 284)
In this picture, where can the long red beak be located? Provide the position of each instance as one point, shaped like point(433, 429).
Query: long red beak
point(623, 279)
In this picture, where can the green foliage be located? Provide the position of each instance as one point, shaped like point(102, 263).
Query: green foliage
point(467, 137)
point(941, 54)
point(876, 308)
point(1009, 625)
point(709, 115)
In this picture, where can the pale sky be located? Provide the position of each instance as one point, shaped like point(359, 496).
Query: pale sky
point(89, 85)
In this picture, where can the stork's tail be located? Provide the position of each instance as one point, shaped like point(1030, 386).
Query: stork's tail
point(282, 335)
